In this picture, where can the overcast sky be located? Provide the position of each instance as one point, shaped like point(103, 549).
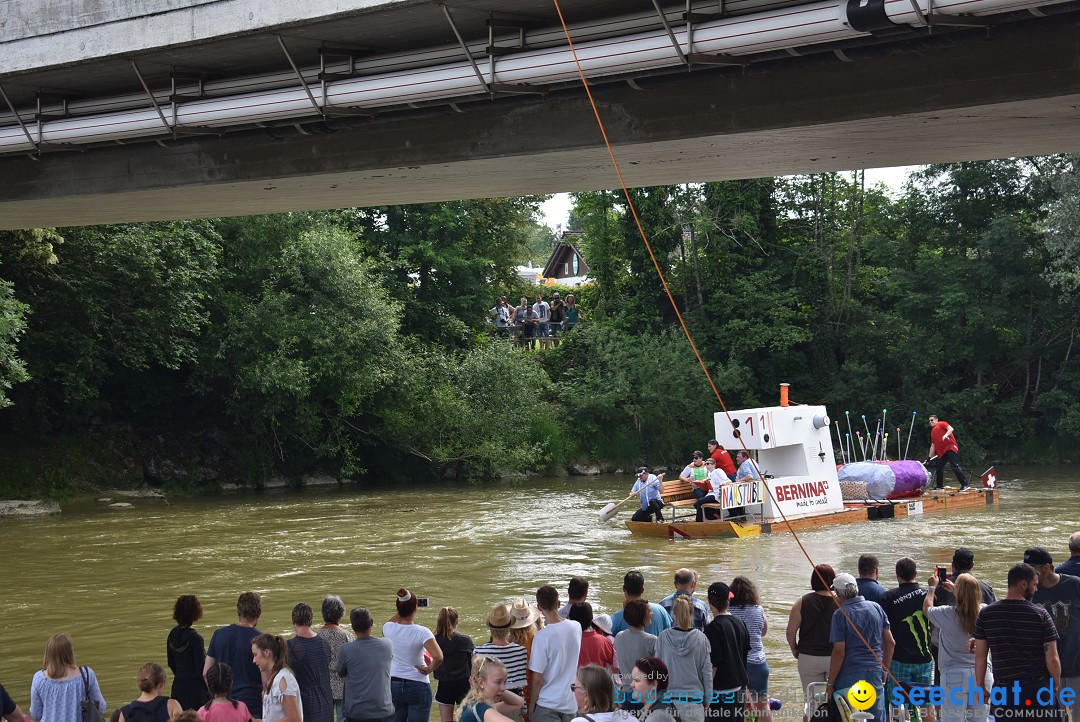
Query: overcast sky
point(557, 210)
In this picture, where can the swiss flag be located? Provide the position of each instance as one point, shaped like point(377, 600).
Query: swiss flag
point(989, 478)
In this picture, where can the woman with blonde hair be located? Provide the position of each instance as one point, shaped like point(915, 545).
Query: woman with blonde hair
point(60, 686)
point(955, 626)
point(281, 692)
point(488, 699)
point(151, 704)
point(594, 693)
point(685, 651)
point(526, 621)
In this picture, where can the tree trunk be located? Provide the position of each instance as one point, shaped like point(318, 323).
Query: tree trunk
point(697, 267)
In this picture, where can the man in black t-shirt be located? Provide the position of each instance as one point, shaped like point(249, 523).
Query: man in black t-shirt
point(1059, 594)
point(1023, 641)
point(963, 562)
point(729, 643)
point(9, 710)
point(911, 660)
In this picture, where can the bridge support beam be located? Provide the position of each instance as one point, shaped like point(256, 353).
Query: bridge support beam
point(965, 96)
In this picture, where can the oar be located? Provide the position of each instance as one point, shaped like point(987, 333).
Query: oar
point(609, 510)
point(898, 443)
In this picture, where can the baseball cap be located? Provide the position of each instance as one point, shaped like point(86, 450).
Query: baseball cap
point(963, 557)
point(698, 455)
point(719, 590)
point(643, 470)
point(844, 581)
point(1037, 556)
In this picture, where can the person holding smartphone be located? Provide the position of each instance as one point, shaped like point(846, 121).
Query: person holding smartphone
point(410, 687)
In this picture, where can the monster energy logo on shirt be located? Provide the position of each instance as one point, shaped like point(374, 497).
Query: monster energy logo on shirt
point(920, 630)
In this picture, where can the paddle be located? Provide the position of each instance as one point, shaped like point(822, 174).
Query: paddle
point(609, 510)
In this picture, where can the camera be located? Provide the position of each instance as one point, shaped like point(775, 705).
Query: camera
point(422, 602)
point(942, 573)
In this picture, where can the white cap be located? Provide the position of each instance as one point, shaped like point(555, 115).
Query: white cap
point(843, 582)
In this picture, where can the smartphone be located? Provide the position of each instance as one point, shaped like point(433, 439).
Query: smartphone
point(942, 573)
point(421, 601)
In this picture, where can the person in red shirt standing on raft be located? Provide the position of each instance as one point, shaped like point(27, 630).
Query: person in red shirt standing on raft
point(943, 443)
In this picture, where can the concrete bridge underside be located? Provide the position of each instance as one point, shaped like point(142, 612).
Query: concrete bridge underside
point(1013, 90)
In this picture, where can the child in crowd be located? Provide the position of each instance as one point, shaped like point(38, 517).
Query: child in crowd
point(488, 699)
point(222, 707)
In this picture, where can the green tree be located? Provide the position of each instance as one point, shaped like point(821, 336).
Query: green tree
point(12, 324)
point(307, 340)
point(118, 312)
point(475, 413)
point(445, 262)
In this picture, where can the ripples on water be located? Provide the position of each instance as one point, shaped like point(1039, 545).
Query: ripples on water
point(110, 577)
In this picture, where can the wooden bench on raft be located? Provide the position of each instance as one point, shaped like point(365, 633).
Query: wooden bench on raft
point(679, 493)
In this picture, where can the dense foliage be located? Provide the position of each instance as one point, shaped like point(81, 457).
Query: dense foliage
point(355, 341)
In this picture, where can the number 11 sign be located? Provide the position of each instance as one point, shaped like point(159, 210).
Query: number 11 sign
point(752, 428)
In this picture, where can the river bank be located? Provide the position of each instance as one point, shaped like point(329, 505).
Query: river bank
point(62, 467)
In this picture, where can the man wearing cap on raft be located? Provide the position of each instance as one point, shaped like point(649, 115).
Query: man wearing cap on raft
point(647, 486)
point(697, 474)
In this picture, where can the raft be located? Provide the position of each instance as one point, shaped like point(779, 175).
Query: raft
point(947, 499)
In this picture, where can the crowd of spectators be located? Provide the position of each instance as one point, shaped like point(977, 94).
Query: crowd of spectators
point(536, 324)
point(682, 659)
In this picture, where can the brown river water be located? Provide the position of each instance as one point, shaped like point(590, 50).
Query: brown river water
point(110, 577)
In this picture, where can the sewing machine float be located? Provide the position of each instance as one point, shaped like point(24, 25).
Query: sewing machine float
point(794, 455)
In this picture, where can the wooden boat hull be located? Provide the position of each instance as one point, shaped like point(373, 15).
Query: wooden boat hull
point(948, 499)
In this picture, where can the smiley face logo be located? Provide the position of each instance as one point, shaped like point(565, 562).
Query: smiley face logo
point(862, 695)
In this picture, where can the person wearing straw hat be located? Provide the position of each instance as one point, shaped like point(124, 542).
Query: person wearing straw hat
point(513, 656)
point(553, 662)
point(523, 615)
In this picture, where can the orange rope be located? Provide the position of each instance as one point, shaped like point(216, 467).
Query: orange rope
point(686, 329)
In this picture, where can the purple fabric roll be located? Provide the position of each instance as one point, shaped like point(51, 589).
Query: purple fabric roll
point(910, 476)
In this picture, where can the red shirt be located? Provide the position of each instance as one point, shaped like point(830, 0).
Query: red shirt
point(723, 460)
point(941, 445)
point(596, 648)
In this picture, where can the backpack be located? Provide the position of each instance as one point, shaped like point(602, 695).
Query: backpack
point(148, 712)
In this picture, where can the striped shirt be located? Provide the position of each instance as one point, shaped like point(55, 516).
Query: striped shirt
point(753, 616)
point(514, 658)
point(1016, 631)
